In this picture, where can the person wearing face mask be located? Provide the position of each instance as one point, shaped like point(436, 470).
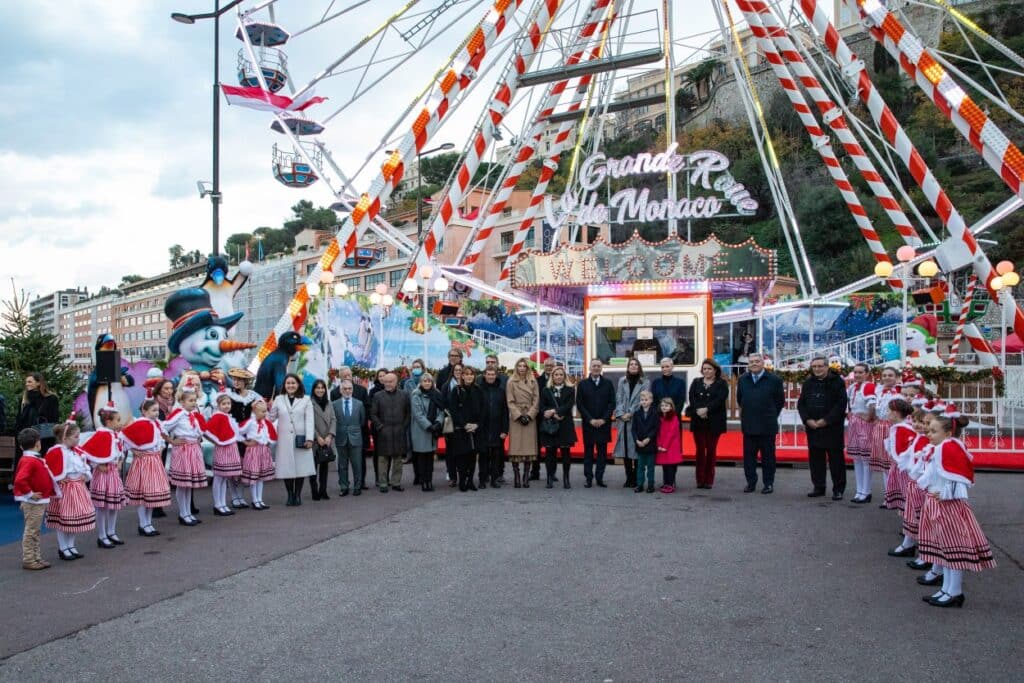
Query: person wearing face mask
point(412, 382)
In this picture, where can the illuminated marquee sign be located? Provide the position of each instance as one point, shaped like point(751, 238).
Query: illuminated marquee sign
point(705, 170)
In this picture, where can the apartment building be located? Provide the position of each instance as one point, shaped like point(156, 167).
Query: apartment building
point(46, 310)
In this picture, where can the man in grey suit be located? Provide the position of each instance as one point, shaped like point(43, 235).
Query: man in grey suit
point(351, 416)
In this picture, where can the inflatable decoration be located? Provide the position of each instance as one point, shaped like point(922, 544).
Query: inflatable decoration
point(921, 341)
point(890, 352)
point(101, 393)
point(275, 366)
point(221, 288)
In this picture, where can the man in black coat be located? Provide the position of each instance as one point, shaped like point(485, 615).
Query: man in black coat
point(822, 407)
point(595, 401)
point(542, 381)
point(444, 375)
point(667, 385)
point(761, 397)
point(360, 394)
point(494, 431)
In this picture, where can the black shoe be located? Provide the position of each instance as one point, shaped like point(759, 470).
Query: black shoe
point(638, 489)
point(223, 512)
point(816, 493)
point(768, 488)
point(383, 489)
point(494, 485)
point(589, 483)
point(159, 512)
point(945, 600)
point(115, 539)
point(862, 500)
point(628, 484)
point(260, 506)
point(526, 482)
point(905, 552)
point(534, 477)
point(931, 596)
point(566, 484)
point(324, 496)
point(400, 489)
point(143, 532)
point(357, 492)
point(430, 486)
point(239, 504)
point(917, 565)
point(749, 488)
point(470, 486)
point(67, 555)
point(883, 506)
point(551, 483)
point(74, 551)
point(364, 487)
point(837, 496)
point(185, 522)
point(104, 543)
point(650, 488)
point(601, 484)
point(925, 581)
point(315, 494)
point(344, 492)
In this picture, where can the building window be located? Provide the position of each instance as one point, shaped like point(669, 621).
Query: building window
point(373, 280)
point(395, 278)
point(593, 232)
point(507, 211)
point(529, 238)
point(506, 241)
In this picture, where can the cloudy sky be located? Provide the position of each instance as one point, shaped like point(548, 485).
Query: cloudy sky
point(107, 126)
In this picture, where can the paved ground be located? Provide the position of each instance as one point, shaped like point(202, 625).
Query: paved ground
point(591, 585)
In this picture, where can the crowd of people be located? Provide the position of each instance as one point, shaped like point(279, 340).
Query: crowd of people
point(487, 420)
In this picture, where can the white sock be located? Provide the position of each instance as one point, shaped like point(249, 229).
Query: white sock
point(62, 541)
point(149, 516)
point(885, 479)
point(237, 493)
point(184, 498)
point(908, 542)
point(956, 582)
point(937, 569)
point(142, 517)
point(219, 489)
point(112, 522)
point(71, 540)
point(860, 469)
point(101, 524)
point(259, 490)
point(254, 492)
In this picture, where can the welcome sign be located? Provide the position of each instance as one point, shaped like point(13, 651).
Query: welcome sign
point(719, 194)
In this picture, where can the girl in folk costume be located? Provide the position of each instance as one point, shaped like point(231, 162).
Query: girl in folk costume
point(146, 484)
point(103, 450)
point(185, 427)
point(259, 436)
point(885, 392)
point(912, 462)
point(950, 536)
point(901, 437)
point(859, 426)
point(72, 512)
point(222, 430)
point(242, 397)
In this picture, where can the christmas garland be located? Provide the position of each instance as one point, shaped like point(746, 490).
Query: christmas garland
point(933, 374)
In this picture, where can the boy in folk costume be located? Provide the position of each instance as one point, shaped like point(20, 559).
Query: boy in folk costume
point(242, 397)
point(33, 488)
point(146, 484)
point(259, 435)
point(222, 430)
point(185, 427)
point(103, 451)
point(860, 422)
point(73, 512)
point(950, 535)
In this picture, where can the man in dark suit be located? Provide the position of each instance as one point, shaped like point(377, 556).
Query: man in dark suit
point(761, 397)
point(542, 381)
point(595, 401)
point(444, 375)
point(360, 394)
point(822, 406)
point(350, 415)
point(667, 385)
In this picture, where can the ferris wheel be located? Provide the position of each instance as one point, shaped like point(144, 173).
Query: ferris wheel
point(544, 75)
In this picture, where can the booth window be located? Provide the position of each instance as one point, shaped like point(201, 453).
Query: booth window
point(619, 338)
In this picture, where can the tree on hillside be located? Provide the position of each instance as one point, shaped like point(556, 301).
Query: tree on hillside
point(436, 168)
point(306, 216)
point(26, 346)
point(131, 279)
point(176, 252)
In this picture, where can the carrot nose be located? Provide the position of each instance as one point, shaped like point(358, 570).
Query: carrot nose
point(231, 345)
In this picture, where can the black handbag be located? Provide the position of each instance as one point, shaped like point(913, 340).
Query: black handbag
point(45, 430)
point(300, 441)
point(550, 426)
point(322, 454)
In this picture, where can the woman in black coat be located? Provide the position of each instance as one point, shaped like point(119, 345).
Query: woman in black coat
point(708, 396)
point(556, 403)
point(466, 405)
point(38, 406)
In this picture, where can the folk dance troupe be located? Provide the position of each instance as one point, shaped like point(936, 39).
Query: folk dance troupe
point(894, 426)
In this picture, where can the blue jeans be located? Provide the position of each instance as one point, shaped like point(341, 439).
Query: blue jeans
point(644, 464)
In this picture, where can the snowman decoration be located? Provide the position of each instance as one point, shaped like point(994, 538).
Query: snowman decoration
point(921, 341)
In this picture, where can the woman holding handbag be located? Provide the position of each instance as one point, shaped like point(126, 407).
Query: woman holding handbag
point(523, 395)
point(427, 410)
point(627, 400)
point(325, 424)
point(557, 429)
point(466, 406)
point(709, 394)
point(292, 415)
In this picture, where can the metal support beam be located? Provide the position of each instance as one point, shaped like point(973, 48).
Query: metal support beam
point(594, 66)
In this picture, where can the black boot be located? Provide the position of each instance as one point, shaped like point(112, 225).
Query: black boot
point(298, 490)
point(565, 476)
point(551, 482)
point(289, 486)
point(315, 491)
point(515, 470)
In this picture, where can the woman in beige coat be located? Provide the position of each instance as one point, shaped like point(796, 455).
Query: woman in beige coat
point(523, 394)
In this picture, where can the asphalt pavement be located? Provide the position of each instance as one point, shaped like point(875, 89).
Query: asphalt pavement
point(521, 584)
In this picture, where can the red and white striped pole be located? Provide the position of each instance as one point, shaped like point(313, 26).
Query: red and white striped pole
point(961, 247)
point(965, 309)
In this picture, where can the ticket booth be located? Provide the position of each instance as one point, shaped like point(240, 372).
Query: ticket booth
point(647, 300)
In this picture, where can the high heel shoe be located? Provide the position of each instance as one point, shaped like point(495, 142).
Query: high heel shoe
point(115, 539)
point(104, 543)
point(945, 600)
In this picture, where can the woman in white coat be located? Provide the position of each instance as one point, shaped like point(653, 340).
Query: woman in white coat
point(292, 414)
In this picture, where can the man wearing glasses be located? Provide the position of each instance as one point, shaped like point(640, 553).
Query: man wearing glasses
point(822, 408)
point(760, 396)
point(445, 374)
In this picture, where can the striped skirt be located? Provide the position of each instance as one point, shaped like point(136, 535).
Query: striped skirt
point(73, 512)
point(106, 489)
point(912, 508)
point(896, 488)
point(226, 462)
point(952, 537)
point(257, 465)
point(880, 460)
point(187, 467)
point(858, 437)
point(146, 483)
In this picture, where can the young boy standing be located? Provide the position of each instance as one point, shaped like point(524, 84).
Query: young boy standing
point(33, 488)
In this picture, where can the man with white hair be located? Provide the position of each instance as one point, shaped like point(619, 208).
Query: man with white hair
point(760, 396)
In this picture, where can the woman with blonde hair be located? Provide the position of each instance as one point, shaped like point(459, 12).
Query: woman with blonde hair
point(523, 395)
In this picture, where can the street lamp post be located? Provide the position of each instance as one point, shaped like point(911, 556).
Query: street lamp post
point(215, 195)
point(383, 301)
point(419, 184)
point(423, 281)
point(1004, 283)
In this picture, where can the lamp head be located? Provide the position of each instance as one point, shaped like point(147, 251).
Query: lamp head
point(183, 18)
point(883, 269)
point(1010, 279)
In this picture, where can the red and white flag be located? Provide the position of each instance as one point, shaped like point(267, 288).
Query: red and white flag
point(257, 98)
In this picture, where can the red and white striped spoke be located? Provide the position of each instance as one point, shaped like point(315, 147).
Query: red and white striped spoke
point(498, 105)
point(454, 80)
point(833, 116)
point(961, 247)
point(965, 310)
point(983, 351)
point(820, 141)
point(971, 120)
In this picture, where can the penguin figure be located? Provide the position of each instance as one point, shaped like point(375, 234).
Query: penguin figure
point(275, 366)
point(99, 393)
point(221, 288)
